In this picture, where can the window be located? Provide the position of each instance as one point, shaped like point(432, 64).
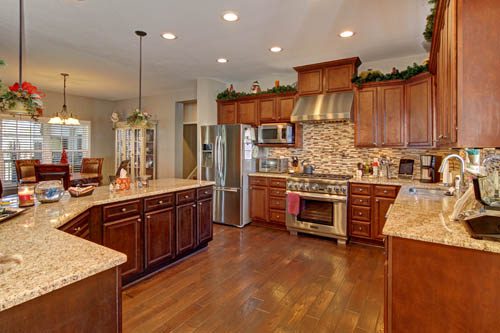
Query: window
point(29, 139)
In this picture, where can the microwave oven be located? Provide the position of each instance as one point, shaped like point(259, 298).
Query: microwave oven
point(275, 165)
point(275, 133)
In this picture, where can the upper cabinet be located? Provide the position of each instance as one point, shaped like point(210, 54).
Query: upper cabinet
point(327, 77)
point(256, 110)
point(464, 58)
point(394, 113)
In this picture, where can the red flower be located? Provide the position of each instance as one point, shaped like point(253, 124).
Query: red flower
point(14, 87)
point(26, 86)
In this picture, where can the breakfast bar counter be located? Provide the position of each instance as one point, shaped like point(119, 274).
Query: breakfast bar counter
point(50, 259)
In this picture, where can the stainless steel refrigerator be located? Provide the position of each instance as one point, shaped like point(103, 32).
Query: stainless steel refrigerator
point(227, 160)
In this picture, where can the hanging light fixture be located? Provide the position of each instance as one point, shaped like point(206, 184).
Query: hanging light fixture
point(63, 118)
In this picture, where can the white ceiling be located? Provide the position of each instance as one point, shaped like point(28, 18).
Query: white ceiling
point(94, 40)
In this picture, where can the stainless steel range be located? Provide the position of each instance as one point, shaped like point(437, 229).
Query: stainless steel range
point(322, 207)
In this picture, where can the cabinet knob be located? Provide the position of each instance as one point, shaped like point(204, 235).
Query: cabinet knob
point(77, 228)
point(160, 202)
point(148, 217)
point(359, 228)
point(385, 191)
point(124, 210)
point(206, 192)
point(138, 220)
point(194, 205)
point(201, 203)
point(186, 196)
point(376, 200)
point(360, 213)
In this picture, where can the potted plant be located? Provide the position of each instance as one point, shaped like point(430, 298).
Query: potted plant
point(139, 118)
point(24, 99)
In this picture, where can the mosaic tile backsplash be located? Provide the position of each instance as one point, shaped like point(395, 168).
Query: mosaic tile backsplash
point(330, 147)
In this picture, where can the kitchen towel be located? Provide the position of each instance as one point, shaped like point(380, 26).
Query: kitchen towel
point(293, 200)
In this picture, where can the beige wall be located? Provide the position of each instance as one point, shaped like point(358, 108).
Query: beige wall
point(98, 112)
point(163, 109)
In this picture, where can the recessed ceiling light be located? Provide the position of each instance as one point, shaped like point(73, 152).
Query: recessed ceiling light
point(346, 34)
point(275, 49)
point(230, 16)
point(222, 60)
point(169, 35)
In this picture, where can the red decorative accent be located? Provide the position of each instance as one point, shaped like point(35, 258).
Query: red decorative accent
point(64, 157)
point(29, 88)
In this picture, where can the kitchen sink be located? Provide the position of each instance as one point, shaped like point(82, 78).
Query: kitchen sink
point(422, 190)
point(484, 227)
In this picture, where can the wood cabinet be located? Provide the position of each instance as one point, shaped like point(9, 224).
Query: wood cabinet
point(368, 205)
point(205, 220)
point(79, 226)
point(365, 117)
point(268, 110)
point(394, 113)
point(226, 112)
point(268, 201)
point(160, 236)
point(327, 77)
point(439, 288)
point(186, 228)
point(284, 106)
point(247, 112)
point(419, 111)
point(125, 236)
point(462, 54)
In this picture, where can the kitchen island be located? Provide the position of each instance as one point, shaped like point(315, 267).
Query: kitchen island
point(437, 277)
point(63, 281)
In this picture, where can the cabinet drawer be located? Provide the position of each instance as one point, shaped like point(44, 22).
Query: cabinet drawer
point(386, 191)
point(262, 181)
point(360, 229)
point(277, 182)
point(363, 189)
point(158, 202)
point(360, 200)
point(277, 203)
point(121, 210)
point(78, 226)
point(277, 216)
point(205, 192)
point(185, 196)
point(360, 213)
point(276, 192)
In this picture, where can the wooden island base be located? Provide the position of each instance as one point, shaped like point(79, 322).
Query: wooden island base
point(90, 305)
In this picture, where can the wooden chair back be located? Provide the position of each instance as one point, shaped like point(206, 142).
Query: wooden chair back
point(26, 169)
point(53, 172)
point(92, 165)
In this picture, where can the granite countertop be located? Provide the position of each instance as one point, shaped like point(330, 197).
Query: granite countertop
point(270, 174)
point(425, 217)
point(52, 259)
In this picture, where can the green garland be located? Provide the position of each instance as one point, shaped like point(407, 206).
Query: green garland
point(376, 76)
point(230, 95)
point(429, 26)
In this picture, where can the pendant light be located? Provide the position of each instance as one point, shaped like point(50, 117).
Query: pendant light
point(141, 34)
point(63, 118)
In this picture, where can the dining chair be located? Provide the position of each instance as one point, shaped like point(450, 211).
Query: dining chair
point(92, 165)
point(25, 171)
point(53, 172)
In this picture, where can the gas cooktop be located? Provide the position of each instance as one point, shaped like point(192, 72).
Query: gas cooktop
point(322, 176)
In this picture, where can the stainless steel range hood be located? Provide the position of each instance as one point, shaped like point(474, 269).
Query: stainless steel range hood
point(326, 107)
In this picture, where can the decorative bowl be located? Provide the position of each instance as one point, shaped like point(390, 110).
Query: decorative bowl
point(49, 191)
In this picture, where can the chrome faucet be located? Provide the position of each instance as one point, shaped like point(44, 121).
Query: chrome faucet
point(462, 185)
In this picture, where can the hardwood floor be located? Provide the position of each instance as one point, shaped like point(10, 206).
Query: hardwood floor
point(262, 280)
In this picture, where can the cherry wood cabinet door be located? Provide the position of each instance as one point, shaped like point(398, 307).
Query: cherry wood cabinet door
point(285, 107)
point(267, 110)
point(391, 115)
point(186, 228)
point(226, 113)
point(205, 221)
point(247, 112)
point(310, 82)
point(418, 107)
point(365, 117)
point(160, 236)
point(126, 236)
point(259, 206)
point(381, 206)
point(338, 78)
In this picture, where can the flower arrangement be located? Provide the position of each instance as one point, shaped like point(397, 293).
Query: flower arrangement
point(138, 118)
point(24, 99)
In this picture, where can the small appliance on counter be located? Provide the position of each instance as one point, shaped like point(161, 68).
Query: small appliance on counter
point(429, 166)
point(274, 165)
point(276, 133)
point(406, 168)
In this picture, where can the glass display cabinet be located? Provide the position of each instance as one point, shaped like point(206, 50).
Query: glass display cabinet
point(137, 144)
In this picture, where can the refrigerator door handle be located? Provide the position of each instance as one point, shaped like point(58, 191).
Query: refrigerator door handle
point(220, 157)
point(226, 189)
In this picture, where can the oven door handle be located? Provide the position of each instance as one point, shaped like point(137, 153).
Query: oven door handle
point(325, 197)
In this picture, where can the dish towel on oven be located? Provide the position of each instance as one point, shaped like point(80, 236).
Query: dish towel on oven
point(293, 203)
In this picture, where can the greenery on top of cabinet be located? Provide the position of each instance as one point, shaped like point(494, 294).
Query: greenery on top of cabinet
point(376, 76)
point(229, 95)
point(429, 26)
